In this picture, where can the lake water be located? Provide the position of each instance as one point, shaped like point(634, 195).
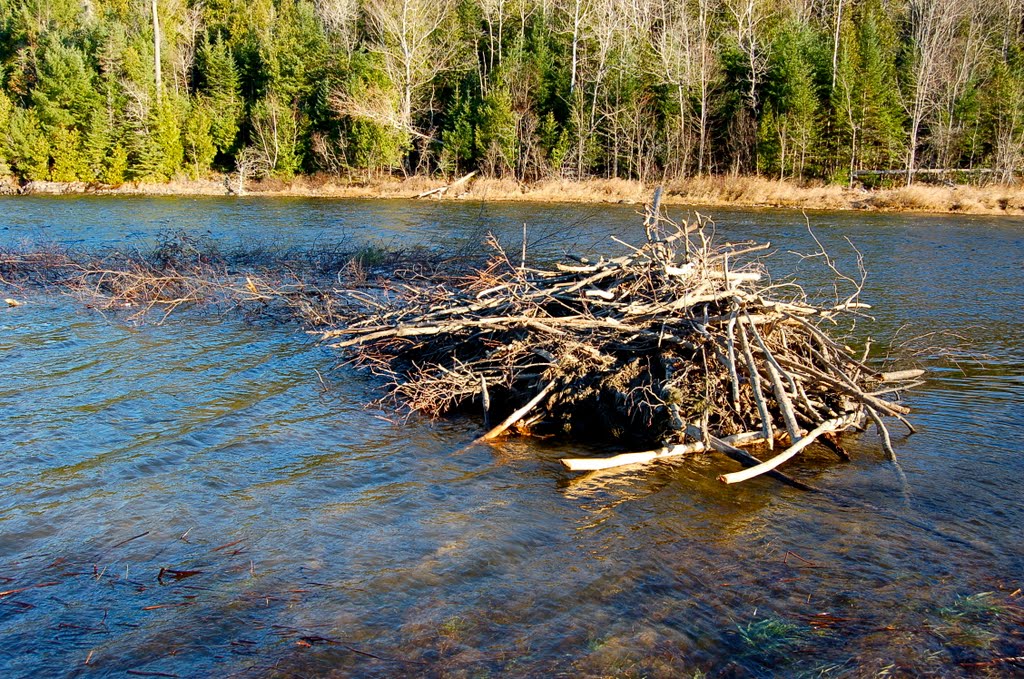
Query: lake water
point(190, 499)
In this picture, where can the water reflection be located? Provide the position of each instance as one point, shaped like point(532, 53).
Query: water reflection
point(325, 540)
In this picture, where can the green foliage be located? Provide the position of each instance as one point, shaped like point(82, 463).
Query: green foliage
point(165, 128)
point(6, 108)
point(64, 95)
point(458, 141)
point(27, 149)
point(221, 89)
point(198, 139)
point(970, 621)
point(789, 122)
point(496, 134)
point(870, 116)
point(115, 169)
point(96, 145)
point(69, 163)
point(373, 146)
point(291, 81)
point(770, 637)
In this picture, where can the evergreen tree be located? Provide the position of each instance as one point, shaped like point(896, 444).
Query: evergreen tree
point(869, 116)
point(6, 108)
point(197, 137)
point(27, 147)
point(511, 87)
point(221, 92)
point(789, 124)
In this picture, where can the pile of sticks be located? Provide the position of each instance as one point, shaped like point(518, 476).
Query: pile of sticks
point(679, 344)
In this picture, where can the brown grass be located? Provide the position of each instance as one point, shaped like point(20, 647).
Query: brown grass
point(694, 191)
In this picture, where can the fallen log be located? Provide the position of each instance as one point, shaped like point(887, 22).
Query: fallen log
point(441, 190)
point(579, 464)
point(829, 426)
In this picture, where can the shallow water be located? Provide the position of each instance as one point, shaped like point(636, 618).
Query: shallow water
point(302, 534)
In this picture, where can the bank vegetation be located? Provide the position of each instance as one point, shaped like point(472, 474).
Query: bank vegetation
point(872, 93)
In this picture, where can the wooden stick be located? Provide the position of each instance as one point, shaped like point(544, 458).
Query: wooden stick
point(901, 375)
point(447, 187)
point(485, 396)
point(886, 407)
point(580, 464)
point(742, 456)
point(731, 336)
point(769, 356)
point(517, 415)
point(767, 466)
point(755, 383)
point(840, 350)
point(788, 416)
point(882, 432)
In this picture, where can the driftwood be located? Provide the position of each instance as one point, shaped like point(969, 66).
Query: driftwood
point(583, 464)
point(830, 426)
point(441, 190)
point(677, 347)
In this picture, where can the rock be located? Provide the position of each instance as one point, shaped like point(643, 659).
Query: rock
point(9, 186)
point(53, 188)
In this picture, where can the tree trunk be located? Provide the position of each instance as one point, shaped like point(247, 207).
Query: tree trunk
point(156, 53)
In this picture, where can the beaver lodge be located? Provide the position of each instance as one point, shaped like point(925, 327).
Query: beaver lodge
point(679, 346)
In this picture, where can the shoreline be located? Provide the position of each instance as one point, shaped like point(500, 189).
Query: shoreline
point(737, 192)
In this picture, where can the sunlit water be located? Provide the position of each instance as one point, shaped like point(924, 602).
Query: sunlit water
point(302, 534)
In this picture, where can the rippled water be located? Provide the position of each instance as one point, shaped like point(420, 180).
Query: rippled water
point(190, 499)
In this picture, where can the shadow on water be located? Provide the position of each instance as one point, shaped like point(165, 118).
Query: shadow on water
point(187, 500)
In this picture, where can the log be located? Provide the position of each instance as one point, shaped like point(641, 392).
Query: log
point(767, 466)
point(580, 464)
point(742, 456)
point(755, 383)
point(901, 375)
point(517, 415)
point(441, 190)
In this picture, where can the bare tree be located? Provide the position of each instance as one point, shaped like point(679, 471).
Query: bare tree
point(414, 47)
point(183, 26)
point(933, 24)
point(339, 18)
point(495, 14)
point(275, 132)
point(157, 79)
point(578, 11)
point(960, 74)
point(673, 66)
point(250, 163)
point(748, 19)
point(837, 23)
point(707, 73)
point(748, 23)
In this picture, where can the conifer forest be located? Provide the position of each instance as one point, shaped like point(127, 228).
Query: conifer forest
point(109, 91)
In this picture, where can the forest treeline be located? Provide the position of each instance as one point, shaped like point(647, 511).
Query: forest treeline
point(114, 90)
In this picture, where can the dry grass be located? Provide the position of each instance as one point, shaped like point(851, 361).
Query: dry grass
point(760, 192)
point(995, 199)
point(693, 191)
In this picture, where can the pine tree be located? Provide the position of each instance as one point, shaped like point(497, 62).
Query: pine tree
point(6, 108)
point(197, 137)
point(790, 119)
point(221, 90)
point(27, 147)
